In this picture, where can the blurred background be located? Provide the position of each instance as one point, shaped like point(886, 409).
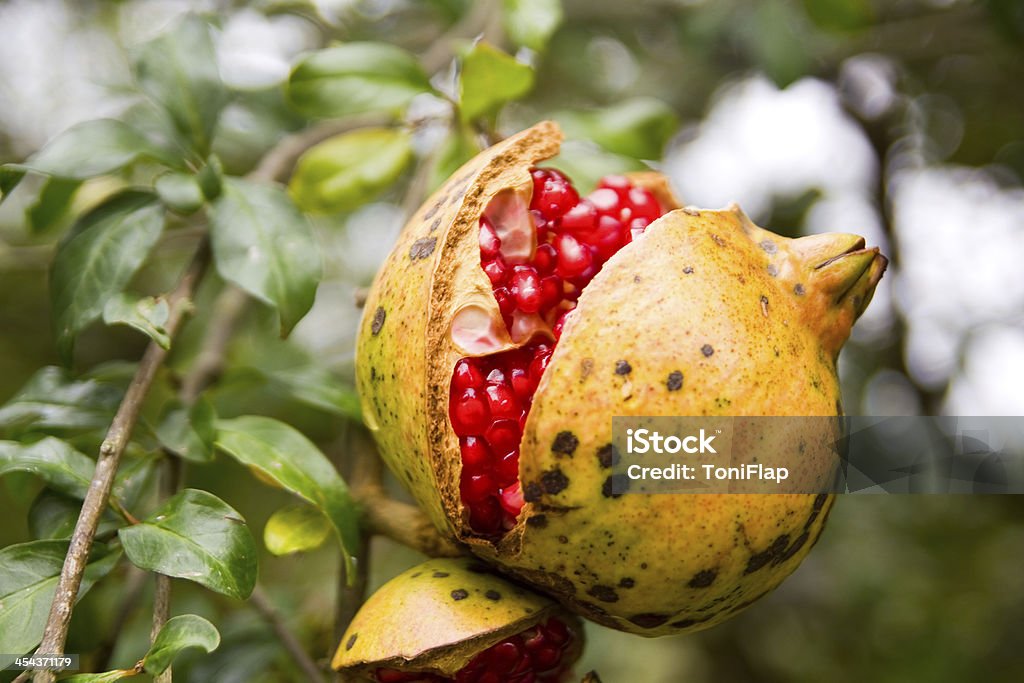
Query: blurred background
point(901, 120)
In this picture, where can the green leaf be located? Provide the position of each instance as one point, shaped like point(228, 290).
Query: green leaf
point(318, 387)
point(196, 536)
point(10, 176)
point(105, 248)
point(532, 22)
point(54, 515)
point(52, 204)
point(348, 170)
point(178, 70)
point(28, 578)
point(148, 315)
point(295, 528)
point(489, 79)
point(51, 401)
point(840, 15)
point(288, 458)
point(356, 78)
point(178, 634)
point(211, 177)
point(637, 128)
point(189, 432)
point(133, 478)
point(180, 192)
point(90, 149)
point(775, 37)
point(458, 148)
point(57, 463)
point(265, 246)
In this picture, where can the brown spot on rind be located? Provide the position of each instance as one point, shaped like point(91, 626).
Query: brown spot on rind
point(440, 575)
point(615, 481)
point(608, 455)
point(434, 209)
point(351, 641)
point(422, 248)
point(703, 578)
point(674, 381)
point(769, 246)
point(773, 270)
point(688, 270)
point(764, 305)
point(622, 367)
point(460, 594)
point(603, 593)
point(565, 443)
point(627, 583)
point(772, 555)
point(798, 289)
point(649, 620)
point(532, 492)
point(538, 521)
point(690, 211)
point(436, 224)
point(492, 595)
point(554, 481)
point(707, 350)
point(378, 321)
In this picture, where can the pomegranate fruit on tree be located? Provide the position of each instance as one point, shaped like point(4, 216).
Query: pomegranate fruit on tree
point(515, 317)
point(455, 620)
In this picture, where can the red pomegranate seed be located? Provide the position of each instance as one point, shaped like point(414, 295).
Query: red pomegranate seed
point(512, 499)
point(491, 397)
point(573, 258)
point(497, 270)
point(503, 437)
point(507, 468)
point(544, 259)
point(469, 412)
point(526, 289)
point(644, 204)
point(580, 218)
point(466, 375)
point(476, 456)
point(490, 243)
point(553, 194)
point(477, 487)
point(502, 402)
point(605, 200)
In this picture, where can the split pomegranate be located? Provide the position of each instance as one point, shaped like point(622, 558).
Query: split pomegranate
point(491, 395)
point(533, 656)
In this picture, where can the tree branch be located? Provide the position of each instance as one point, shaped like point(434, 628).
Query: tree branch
point(111, 450)
point(403, 523)
point(312, 672)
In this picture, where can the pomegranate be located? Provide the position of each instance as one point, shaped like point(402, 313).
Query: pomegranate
point(515, 318)
point(455, 620)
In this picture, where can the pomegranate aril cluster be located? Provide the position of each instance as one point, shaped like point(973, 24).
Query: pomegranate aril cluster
point(533, 656)
point(491, 396)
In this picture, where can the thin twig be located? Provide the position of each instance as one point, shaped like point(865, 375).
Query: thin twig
point(170, 480)
point(361, 468)
point(259, 600)
point(403, 523)
point(111, 450)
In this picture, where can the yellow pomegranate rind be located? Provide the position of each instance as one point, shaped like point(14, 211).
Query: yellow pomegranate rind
point(438, 615)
